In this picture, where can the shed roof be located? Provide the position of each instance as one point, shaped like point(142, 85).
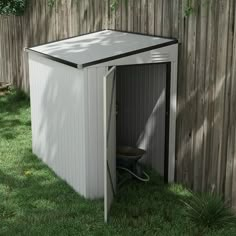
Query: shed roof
point(98, 47)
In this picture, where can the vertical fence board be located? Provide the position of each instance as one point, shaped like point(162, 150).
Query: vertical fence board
point(209, 83)
point(200, 77)
point(130, 15)
point(223, 9)
point(124, 15)
point(158, 16)
point(118, 20)
point(166, 18)
point(230, 182)
point(144, 16)
point(137, 16)
point(151, 17)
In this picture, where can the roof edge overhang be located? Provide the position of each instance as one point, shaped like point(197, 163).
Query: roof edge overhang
point(52, 58)
point(81, 66)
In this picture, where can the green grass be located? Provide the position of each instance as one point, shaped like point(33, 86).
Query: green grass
point(34, 201)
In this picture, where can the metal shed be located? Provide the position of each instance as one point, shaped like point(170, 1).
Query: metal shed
point(75, 85)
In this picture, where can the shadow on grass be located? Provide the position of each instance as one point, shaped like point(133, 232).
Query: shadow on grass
point(151, 207)
point(35, 198)
point(14, 101)
point(10, 107)
point(7, 128)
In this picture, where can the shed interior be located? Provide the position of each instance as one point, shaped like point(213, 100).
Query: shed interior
point(140, 111)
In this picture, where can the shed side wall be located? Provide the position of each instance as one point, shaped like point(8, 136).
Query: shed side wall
point(57, 111)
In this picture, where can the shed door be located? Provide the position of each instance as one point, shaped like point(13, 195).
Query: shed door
point(109, 83)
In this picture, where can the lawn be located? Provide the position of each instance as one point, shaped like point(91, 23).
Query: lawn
point(34, 201)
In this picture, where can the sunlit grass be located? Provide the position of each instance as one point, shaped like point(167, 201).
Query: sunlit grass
point(34, 201)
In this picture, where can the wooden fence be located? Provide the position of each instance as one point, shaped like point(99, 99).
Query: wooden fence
point(206, 123)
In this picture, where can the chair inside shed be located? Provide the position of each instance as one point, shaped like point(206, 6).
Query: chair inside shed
point(140, 115)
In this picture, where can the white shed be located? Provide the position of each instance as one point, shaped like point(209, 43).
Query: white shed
point(75, 85)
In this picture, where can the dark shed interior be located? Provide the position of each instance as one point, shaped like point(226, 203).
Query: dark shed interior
point(141, 105)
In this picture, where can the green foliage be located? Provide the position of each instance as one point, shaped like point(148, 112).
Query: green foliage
point(188, 10)
point(18, 95)
point(209, 211)
point(114, 4)
point(12, 7)
point(51, 3)
point(192, 6)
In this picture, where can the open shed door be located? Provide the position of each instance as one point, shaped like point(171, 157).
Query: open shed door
point(109, 83)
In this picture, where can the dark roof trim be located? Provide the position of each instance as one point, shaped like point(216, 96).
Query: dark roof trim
point(129, 53)
point(65, 62)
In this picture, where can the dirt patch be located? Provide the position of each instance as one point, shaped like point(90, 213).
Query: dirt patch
point(3, 93)
point(4, 88)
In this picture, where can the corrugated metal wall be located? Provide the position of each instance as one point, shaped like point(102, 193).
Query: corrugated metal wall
point(58, 118)
point(141, 110)
point(95, 132)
